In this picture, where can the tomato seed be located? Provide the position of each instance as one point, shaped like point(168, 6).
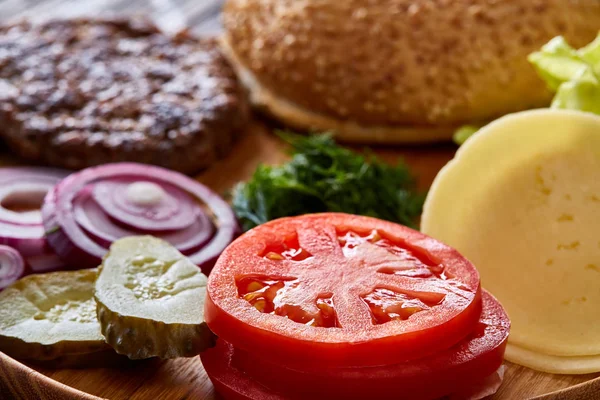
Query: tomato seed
point(260, 305)
point(274, 256)
point(255, 286)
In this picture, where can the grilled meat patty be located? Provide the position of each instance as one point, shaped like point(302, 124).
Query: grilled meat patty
point(82, 92)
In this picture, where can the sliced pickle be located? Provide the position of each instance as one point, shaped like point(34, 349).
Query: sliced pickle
point(51, 318)
point(150, 300)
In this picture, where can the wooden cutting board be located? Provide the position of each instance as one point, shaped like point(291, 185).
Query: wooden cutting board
point(185, 378)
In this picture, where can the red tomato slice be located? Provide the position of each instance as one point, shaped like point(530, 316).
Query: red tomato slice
point(341, 290)
point(239, 375)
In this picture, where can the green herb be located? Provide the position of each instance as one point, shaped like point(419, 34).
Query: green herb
point(322, 176)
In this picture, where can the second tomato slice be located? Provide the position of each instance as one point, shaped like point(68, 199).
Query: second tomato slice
point(464, 370)
point(341, 290)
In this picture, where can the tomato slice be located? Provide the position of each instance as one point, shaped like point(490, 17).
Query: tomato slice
point(341, 290)
point(240, 375)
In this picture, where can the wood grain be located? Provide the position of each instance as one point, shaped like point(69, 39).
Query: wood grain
point(185, 378)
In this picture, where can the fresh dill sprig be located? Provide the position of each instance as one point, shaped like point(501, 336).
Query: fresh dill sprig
point(322, 176)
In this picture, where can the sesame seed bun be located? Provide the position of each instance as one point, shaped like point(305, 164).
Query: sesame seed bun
point(397, 71)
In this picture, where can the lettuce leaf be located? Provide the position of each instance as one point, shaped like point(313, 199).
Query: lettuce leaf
point(574, 75)
point(591, 54)
point(557, 62)
point(578, 95)
point(464, 132)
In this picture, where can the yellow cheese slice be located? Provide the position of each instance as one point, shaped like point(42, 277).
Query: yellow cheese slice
point(552, 364)
point(521, 200)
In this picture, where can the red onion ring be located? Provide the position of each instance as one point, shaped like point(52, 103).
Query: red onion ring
point(92, 218)
point(172, 213)
point(12, 266)
point(24, 231)
point(79, 227)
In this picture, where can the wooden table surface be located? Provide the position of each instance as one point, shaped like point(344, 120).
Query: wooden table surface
point(185, 378)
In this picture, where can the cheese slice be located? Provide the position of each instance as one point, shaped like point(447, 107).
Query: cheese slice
point(552, 364)
point(521, 200)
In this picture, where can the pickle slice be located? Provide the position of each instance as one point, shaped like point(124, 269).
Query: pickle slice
point(150, 300)
point(52, 318)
